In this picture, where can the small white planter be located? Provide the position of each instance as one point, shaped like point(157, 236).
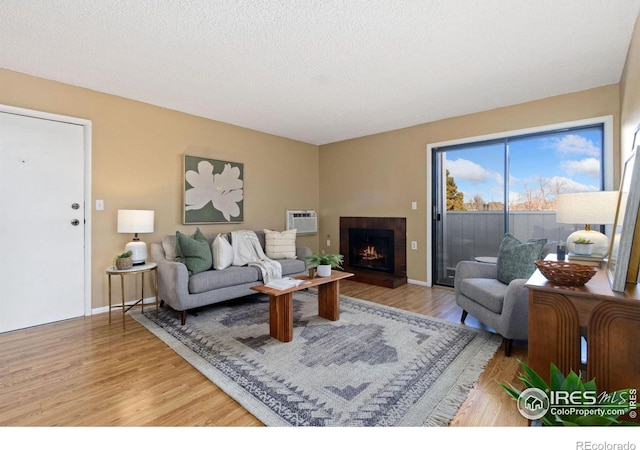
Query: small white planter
point(583, 249)
point(324, 270)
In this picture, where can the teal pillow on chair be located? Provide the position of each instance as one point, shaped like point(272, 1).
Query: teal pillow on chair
point(516, 259)
point(194, 252)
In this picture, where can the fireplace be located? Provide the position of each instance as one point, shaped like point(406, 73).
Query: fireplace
point(374, 249)
point(371, 249)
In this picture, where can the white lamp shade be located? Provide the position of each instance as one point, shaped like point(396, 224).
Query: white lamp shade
point(587, 208)
point(135, 221)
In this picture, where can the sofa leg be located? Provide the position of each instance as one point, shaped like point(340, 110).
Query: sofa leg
point(507, 346)
point(161, 303)
point(464, 316)
point(184, 317)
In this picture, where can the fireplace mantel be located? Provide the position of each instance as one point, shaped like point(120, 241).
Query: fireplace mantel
point(399, 227)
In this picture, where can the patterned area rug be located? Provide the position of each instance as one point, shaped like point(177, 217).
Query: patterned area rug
point(376, 366)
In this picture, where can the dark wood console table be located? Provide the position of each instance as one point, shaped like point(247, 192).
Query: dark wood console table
point(610, 321)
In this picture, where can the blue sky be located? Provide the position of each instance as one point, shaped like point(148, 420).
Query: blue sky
point(568, 162)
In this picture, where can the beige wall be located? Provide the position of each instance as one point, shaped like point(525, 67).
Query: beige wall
point(630, 94)
point(279, 173)
point(381, 175)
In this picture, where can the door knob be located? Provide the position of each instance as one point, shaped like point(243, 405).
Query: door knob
point(75, 222)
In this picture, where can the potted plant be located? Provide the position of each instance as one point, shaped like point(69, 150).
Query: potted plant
point(123, 261)
point(324, 262)
point(582, 246)
point(576, 403)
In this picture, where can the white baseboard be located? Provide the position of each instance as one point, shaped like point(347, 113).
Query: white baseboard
point(419, 283)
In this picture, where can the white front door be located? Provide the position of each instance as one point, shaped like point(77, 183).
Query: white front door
point(42, 221)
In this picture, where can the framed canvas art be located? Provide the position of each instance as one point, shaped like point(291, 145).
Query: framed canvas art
point(213, 191)
point(624, 252)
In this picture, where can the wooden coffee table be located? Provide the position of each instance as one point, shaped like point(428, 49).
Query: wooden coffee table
point(281, 302)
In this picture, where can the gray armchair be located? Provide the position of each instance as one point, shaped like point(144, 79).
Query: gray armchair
point(503, 307)
point(500, 306)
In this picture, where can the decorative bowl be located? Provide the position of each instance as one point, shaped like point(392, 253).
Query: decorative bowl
point(564, 273)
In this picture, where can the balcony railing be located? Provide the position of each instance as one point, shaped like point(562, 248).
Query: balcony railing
point(470, 234)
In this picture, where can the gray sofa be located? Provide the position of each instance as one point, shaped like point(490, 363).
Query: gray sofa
point(183, 292)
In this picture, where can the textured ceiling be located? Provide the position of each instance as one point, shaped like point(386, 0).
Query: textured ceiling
point(321, 71)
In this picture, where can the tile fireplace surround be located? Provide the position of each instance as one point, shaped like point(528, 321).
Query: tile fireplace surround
point(391, 277)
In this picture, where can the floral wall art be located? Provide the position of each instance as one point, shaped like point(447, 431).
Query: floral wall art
point(213, 191)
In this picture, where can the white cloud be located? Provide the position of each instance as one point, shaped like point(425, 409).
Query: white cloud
point(574, 144)
point(588, 166)
point(569, 185)
point(463, 169)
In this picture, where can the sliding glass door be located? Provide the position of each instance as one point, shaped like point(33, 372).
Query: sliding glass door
point(469, 218)
point(482, 190)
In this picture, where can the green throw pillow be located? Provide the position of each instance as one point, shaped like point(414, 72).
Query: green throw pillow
point(516, 259)
point(194, 252)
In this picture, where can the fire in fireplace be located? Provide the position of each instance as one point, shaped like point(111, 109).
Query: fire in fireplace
point(371, 249)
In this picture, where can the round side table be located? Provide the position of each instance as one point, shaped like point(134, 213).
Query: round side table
point(140, 269)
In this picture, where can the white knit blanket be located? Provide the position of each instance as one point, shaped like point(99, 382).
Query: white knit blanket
point(247, 251)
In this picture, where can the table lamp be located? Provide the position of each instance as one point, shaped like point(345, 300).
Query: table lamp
point(136, 221)
point(587, 208)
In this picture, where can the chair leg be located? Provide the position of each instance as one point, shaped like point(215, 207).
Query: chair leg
point(507, 346)
point(183, 317)
point(464, 316)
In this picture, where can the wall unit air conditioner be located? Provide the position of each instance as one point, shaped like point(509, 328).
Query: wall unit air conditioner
point(305, 221)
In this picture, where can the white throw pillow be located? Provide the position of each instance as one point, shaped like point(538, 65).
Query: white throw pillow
point(222, 252)
point(280, 245)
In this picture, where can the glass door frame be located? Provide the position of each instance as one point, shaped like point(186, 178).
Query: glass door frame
point(432, 211)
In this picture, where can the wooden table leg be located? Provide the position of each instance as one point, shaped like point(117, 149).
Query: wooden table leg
point(281, 317)
point(329, 300)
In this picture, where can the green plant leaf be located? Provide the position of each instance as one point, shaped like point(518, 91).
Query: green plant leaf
point(590, 421)
point(551, 421)
point(331, 259)
point(511, 390)
point(572, 383)
point(533, 380)
point(591, 385)
point(556, 378)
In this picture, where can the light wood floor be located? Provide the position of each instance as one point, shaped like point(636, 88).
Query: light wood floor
point(87, 372)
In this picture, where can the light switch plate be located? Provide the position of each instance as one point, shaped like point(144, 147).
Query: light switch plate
point(99, 205)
